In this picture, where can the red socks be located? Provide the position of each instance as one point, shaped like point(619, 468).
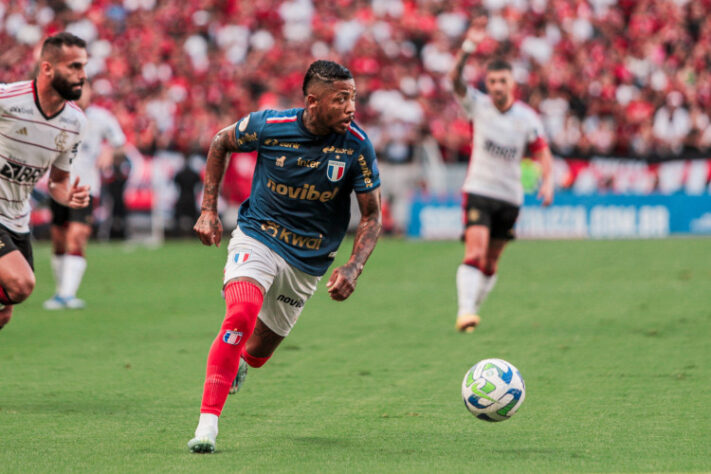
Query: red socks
point(475, 262)
point(479, 265)
point(255, 362)
point(243, 301)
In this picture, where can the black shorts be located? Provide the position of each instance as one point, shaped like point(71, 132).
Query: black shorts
point(499, 216)
point(11, 241)
point(62, 215)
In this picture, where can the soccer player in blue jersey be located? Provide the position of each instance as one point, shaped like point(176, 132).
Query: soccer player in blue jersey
point(309, 161)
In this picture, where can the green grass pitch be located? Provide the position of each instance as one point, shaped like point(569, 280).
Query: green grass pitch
point(611, 338)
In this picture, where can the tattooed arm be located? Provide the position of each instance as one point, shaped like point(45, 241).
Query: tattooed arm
point(343, 279)
point(208, 226)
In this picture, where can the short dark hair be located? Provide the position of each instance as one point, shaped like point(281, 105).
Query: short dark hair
point(54, 43)
point(499, 65)
point(325, 71)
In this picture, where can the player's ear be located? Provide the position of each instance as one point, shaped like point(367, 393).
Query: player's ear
point(45, 68)
point(311, 100)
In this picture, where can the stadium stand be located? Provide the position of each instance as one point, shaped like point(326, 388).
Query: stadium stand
point(173, 72)
point(610, 77)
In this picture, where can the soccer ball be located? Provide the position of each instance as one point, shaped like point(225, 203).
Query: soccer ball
point(493, 390)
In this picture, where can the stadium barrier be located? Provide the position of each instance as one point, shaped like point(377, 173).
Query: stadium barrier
point(597, 216)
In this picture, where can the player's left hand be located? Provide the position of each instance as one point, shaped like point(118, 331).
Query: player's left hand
point(545, 193)
point(343, 281)
point(78, 196)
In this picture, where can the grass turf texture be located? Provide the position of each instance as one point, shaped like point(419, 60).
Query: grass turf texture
point(610, 336)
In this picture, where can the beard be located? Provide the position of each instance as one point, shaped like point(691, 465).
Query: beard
point(64, 88)
point(500, 100)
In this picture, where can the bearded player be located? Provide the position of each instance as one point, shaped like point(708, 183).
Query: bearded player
point(40, 130)
point(309, 161)
point(505, 130)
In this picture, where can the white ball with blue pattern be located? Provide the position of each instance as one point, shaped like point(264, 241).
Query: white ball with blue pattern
point(493, 390)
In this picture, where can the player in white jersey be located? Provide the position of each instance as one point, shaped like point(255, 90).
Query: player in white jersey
point(505, 130)
point(40, 130)
point(71, 228)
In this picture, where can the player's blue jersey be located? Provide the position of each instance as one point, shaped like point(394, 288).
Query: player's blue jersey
point(299, 205)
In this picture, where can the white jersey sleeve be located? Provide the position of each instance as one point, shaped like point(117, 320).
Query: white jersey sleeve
point(109, 128)
point(66, 158)
point(102, 127)
point(536, 134)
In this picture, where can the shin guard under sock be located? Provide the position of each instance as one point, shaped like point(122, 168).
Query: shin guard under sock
point(243, 301)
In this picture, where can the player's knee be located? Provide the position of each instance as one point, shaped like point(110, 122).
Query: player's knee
point(243, 301)
point(20, 287)
point(76, 244)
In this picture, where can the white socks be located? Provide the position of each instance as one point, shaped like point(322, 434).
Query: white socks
point(73, 267)
point(207, 426)
point(472, 288)
point(469, 280)
point(488, 283)
point(57, 262)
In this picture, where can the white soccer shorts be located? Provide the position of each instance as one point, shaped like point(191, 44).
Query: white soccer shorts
point(287, 288)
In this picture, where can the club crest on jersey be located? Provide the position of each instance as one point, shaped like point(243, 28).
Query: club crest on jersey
point(232, 337)
point(61, 141)
point(336, 170)
point(241, 257)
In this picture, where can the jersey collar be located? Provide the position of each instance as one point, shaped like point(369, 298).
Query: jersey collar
point(300, 121)
point(39, 107)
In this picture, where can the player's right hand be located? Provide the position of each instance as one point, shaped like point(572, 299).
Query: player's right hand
point(78, 196)
point(209, 228)
point(477, 30)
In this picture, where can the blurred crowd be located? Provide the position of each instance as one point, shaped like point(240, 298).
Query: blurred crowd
point(609, 77)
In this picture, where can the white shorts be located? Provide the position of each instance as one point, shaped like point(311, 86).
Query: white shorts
point(287, 288)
